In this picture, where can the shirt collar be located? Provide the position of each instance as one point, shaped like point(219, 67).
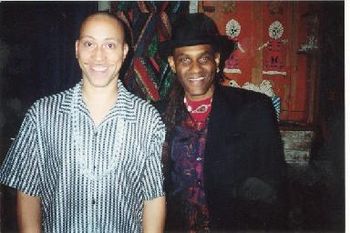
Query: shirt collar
point(125, 106)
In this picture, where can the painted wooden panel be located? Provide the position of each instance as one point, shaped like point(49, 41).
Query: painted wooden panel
point(275, 42)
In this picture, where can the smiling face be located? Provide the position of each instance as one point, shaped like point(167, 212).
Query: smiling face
point(195, 67)
point(101, 50)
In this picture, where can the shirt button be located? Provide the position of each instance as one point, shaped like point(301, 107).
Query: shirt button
point(199, 182)
point(93, 201)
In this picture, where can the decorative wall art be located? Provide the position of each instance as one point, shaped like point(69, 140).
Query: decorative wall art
point(233, 29)
point(274, 55)
point(275, 41)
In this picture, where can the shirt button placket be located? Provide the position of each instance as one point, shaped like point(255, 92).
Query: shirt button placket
point(94, 182)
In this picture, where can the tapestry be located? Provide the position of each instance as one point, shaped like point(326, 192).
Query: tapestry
point(149, 23)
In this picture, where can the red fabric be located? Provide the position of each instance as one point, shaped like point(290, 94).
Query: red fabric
point(146, 80)
point(199, 118)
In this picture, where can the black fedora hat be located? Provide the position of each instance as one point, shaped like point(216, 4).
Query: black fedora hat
point(193, 29)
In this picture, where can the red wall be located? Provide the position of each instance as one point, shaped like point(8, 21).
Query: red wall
point(281, 54)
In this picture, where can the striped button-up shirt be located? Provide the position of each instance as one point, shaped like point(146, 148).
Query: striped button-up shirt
point(89, 178)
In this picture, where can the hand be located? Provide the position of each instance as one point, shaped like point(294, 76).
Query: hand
point(255, 189)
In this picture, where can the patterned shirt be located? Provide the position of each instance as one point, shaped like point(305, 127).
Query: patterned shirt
point(89, 178)
point(187, 154)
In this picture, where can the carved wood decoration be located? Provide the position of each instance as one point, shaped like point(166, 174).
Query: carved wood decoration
point(276, 43)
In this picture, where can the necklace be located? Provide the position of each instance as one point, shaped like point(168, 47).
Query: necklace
point(81, 153)
point(203, 108)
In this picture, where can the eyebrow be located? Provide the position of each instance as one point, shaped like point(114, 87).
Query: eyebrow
point(106, 39)
point(210, 53)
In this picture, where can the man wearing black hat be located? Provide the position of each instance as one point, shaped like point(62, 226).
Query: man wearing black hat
point(224, 163)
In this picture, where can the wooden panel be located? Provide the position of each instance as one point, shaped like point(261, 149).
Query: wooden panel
point(277, 58)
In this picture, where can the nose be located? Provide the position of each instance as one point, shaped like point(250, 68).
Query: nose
point(196, 67)
point(99, 53)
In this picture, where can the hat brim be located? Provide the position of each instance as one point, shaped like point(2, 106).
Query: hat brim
point(167, 47)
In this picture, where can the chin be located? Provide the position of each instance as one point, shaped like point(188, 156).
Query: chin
point(197, 96)
point(197, 92)
point(98, 82)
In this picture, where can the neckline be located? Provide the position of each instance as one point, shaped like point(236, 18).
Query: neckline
point(79, 145)
point(198, 107)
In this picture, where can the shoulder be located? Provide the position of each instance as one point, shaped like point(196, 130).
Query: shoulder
point(241, 98)
point(141, 105)
point(51, 104)
point(242, 95)
point(235, 100)
point(55, 98)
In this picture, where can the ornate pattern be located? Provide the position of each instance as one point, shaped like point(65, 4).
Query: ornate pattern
point(81, 155)
point(187, 154)
point(233, 28)
point(148, 76)
point(276, 30)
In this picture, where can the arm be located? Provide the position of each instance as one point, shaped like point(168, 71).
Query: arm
point(154, 215)
point(28, 213)
point(267, 188)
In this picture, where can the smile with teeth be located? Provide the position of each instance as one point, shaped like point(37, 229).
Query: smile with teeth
point(196, 79)
point(99, 68)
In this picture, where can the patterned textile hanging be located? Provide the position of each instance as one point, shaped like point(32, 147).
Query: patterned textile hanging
point(149, 22)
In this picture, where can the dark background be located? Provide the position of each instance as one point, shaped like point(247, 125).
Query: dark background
point(39, 37)
point(37, 58)
point(37, 55)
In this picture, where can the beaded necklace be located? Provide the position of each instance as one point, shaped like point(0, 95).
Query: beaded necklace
point(78, 142)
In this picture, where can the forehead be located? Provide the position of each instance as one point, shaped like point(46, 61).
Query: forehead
point(194, 50)
point(102, 26)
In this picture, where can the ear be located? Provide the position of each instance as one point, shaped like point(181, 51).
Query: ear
point(125, 50)
point(76, 48)
point(172, 63)
point(217, 59)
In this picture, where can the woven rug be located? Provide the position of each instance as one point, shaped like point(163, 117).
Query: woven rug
point(149, 23)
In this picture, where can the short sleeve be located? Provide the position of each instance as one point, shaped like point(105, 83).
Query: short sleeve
point(152, 180)
point(20, 167)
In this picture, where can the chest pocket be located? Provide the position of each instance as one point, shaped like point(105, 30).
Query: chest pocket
point(230, 159)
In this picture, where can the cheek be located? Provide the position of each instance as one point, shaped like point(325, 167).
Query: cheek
point(182, 70)
point(115, 58)
point(83, 55)
point(211, 68)
point(181, 75)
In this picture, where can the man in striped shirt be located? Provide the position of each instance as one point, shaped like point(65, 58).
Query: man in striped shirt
point(88, 159)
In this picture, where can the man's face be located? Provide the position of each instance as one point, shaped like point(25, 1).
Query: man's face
point(101, 50)
point(195, 67)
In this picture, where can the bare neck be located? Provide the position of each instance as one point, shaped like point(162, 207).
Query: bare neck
point(99, 100)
